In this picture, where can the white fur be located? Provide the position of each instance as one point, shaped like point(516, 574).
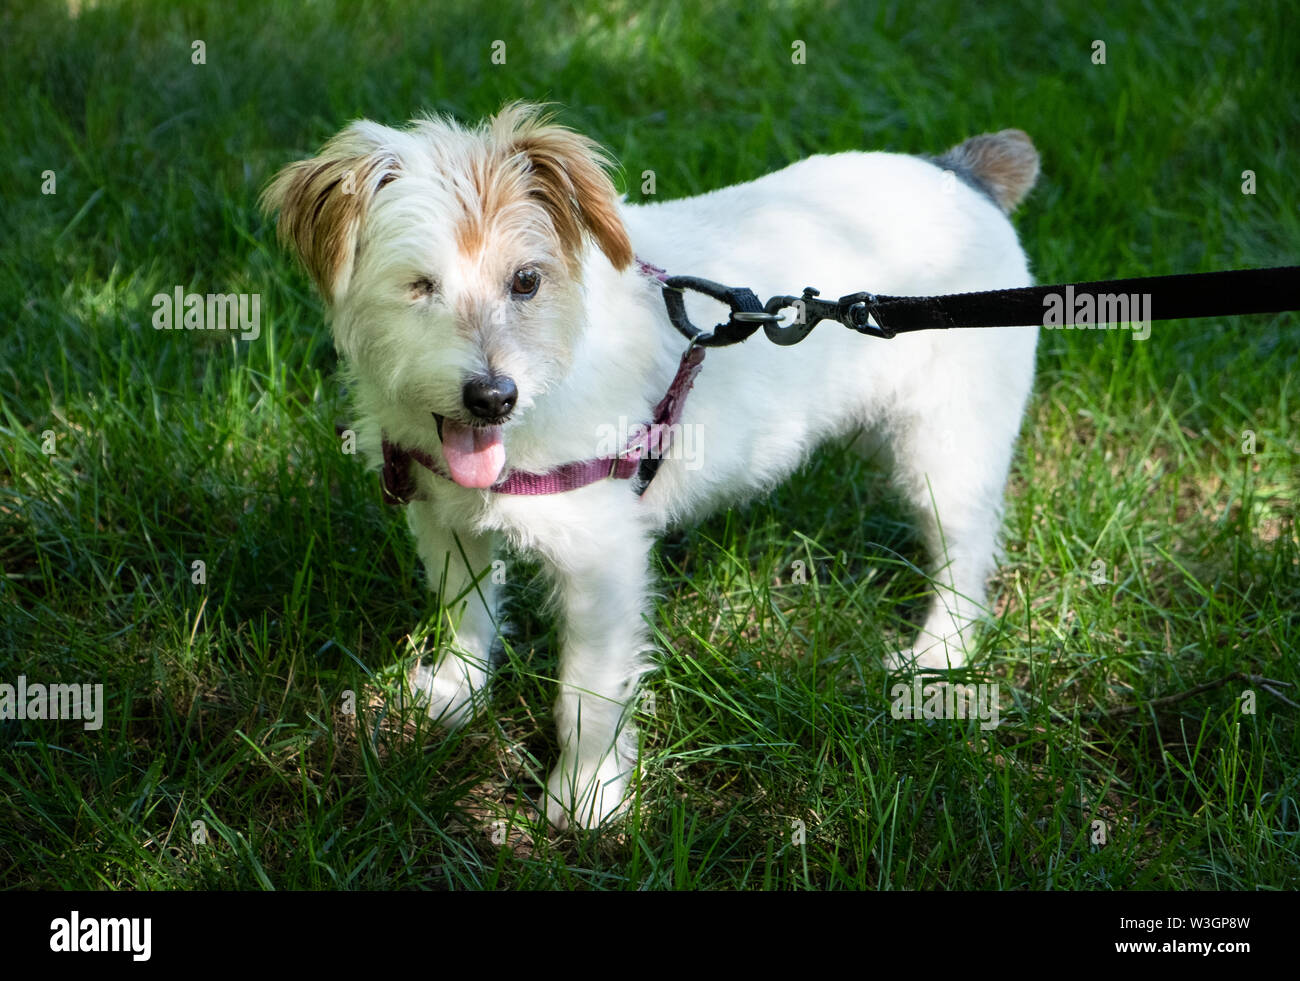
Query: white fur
point(595, 348)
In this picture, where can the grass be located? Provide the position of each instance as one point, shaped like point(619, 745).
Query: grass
point(227, 698)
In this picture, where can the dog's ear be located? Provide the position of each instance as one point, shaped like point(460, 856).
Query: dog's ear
point(322, 202)
point(568, 179)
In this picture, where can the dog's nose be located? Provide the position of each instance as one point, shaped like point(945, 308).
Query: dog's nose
point(490, 398)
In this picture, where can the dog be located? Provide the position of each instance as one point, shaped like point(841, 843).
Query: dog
point(497, 309)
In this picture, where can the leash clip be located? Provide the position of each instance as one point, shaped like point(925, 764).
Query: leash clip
point(854, 310)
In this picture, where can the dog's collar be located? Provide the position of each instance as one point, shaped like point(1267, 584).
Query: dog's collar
point(642, 454)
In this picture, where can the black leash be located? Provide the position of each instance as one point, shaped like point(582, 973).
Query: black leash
point(1215, 294)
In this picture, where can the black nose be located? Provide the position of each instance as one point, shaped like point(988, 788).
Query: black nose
point(490, 398)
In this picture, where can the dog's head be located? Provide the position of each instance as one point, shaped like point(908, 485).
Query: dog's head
point(451, 262)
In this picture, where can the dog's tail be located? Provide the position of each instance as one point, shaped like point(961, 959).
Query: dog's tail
point(1003, 165)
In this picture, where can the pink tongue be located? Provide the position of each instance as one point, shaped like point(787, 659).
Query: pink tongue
point(475, 455)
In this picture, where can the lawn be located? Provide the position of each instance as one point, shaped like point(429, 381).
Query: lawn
point(179, 524)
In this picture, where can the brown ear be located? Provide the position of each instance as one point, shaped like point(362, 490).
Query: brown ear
point(322, 202)
point(569, 179)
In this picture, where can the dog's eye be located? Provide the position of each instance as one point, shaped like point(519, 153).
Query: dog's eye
point(525, 283)
point(422, 288)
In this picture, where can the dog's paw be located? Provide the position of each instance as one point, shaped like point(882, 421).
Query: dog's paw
point(936, 657)
point(587, 798)
point(448, 692)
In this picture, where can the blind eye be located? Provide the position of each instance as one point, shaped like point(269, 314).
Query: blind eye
point(422, 288)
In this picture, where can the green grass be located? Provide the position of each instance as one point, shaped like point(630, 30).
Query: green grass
point(226, 699)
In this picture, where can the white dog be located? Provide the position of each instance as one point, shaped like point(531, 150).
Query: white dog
point(498, 313)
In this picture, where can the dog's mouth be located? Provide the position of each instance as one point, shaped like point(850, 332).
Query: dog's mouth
point(475, 454)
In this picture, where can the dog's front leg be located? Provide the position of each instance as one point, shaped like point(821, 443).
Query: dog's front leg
point(603, 600)
point(459, 566)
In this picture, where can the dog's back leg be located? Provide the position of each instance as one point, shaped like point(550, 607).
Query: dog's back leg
point(952, 456)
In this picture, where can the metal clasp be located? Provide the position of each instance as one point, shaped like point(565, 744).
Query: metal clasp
point(810, 312)
point(853, 310)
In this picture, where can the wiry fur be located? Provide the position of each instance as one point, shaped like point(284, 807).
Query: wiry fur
point(416, 271)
